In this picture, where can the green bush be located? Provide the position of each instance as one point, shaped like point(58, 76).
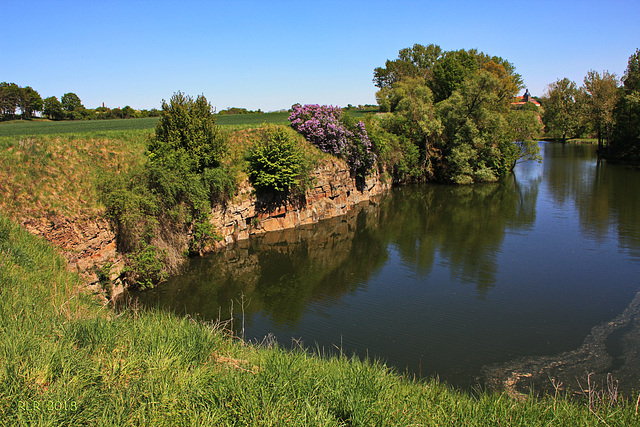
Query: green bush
point(161, 209)
point(146, 266)
point(276, 163)
point(186, 135)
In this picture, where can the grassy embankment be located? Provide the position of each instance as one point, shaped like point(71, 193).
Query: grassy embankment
point(66, 361)
point(54, 167)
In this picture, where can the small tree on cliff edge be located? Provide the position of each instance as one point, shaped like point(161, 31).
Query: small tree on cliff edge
point(186, 136)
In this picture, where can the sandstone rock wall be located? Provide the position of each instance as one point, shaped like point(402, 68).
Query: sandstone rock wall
point(333, 193)
point(89, 243)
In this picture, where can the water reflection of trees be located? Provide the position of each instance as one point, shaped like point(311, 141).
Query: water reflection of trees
point(606, 196)
point(279, 274)
point(463, 225)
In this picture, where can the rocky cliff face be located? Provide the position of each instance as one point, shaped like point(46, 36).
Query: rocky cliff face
point(334, 193)
point(89, 243)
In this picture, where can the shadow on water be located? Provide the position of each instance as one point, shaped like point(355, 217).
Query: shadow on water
point(441, 280)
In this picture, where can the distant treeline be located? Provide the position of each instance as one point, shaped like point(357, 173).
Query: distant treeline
point(605, 106)
point(28, 102)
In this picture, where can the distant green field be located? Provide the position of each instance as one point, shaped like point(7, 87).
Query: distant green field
point(42, 127)
point(20, 127)
point(253, 120)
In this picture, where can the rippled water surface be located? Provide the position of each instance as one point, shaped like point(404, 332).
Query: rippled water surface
point(439, 280)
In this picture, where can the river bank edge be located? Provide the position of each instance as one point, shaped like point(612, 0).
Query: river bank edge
point(70, 362)
point(88, 242)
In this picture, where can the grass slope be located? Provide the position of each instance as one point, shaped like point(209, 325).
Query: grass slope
point(59, 174)
point(66, 361)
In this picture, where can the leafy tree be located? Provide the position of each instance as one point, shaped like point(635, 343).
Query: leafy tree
point(128, 112)
point(29, 101)
point(53, 108)
point(9, 96)
point(443, 71)
point(475, 144)
point(414, 120)
point(524, 128)
point(115, 113)
point(417, 61)
point(186, 136)
point(451, 114)
point(510, 81)
point(451, 71)
point(70, 102)
point(626, 133)
point(602, 97)
point(561, 115)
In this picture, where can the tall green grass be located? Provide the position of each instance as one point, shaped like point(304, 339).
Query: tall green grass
point(64, 360)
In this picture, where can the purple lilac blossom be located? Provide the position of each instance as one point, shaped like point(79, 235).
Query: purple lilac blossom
point(322, 126)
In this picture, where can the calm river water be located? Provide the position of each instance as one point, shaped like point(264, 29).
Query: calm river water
point(441, 280)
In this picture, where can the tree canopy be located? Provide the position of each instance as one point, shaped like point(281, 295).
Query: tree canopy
point(601, 107)
point(625, 142)
point(561, 116)
point(186, 135)
point(450, 113)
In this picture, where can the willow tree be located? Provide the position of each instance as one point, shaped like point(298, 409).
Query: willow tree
point(455, 110)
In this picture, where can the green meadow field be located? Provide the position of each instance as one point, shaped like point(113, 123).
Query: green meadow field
point(98, 127)
point(46, 127)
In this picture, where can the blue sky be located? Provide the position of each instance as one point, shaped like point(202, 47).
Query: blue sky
point(272, 54)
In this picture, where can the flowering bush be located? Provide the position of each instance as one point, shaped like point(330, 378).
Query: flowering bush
point(325, 127)
point(320, 125)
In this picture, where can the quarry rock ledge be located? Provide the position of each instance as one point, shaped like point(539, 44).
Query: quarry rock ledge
point(88, 243)
point(333, 193)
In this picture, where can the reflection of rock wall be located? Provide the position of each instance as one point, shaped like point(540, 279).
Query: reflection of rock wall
point(333, 193)
point(89, 243)
point(330, 245)
point(279, 272)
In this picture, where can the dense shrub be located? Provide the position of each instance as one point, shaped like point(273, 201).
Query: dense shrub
point(359, 154)
point(186, 136)
point(276, 162)
point(161, 209)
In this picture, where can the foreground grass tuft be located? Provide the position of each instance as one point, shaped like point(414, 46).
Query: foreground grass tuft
point(64, 360)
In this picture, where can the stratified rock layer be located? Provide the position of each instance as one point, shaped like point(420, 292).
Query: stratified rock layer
point(89, 242)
